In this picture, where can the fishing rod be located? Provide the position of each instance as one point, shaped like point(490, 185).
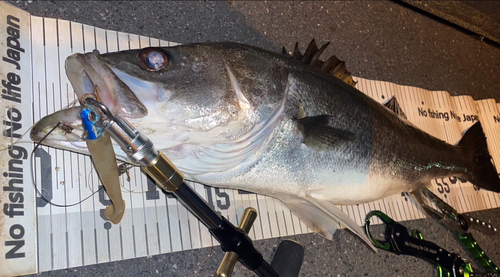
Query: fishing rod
point(140, 150)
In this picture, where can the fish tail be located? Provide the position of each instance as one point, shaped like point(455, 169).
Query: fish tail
point(484, 173)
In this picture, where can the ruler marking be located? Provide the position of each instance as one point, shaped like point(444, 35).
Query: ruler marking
point(346, 210)
point(156, 223)
point(52, 250)
point(83, 38)
point(82, 247)
point(385, 207)
point(399, 204)
point(351, 213)
point(393, 210)
point(269, 221)
point(378, 89)
point(487, 195)
point(471, 200)
point(121, 241)
point(277, 209)
point(370, 90)
point(109, 245)
point(180, 232)
point(146, 232)
point(95, 245)
point(81, 209)
point(495, 198)
point(276, 214)
point(360, 218)
point(158, 231)
point(286, 226)
point(190, 234)
point(106, 41)
point(414, 210)
point(260, 216)
point(200, 235)
point(293, 223)
point(485, 202)
point(67, 247)
point(463, 202)
point(144, 211)
point(168, 220)
point(133, 238)
point(286, 217)
point(458, 196)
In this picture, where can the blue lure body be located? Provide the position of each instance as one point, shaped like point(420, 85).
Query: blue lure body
point(89, 119)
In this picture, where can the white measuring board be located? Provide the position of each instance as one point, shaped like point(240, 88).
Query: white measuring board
point(47, 237)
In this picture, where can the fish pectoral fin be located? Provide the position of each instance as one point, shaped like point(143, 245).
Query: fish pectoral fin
point(314, 217)
point(324, 218)
point(321, 135)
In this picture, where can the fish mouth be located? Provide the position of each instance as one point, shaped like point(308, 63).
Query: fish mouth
point(88, 74)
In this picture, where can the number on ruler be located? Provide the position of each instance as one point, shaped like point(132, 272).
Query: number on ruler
point(454, 180)
point(152, 193)
point(45, 184)
point(244, 192)
point(223, 205)
point(103, 199)
point(444, 187)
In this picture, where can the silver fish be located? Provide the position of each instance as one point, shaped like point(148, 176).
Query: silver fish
point(234, 116)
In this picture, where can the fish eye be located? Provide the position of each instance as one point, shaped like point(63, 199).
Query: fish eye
point(153, 59)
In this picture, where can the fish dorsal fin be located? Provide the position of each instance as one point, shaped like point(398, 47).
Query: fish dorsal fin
point(332, 66)
point(321, 135)
point(393, 105)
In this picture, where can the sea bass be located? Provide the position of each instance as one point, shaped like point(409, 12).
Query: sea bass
point(235, 116)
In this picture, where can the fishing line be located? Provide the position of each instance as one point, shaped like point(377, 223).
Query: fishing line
point(72, 105)
point(122, 170)
point(73, 143)
point(33, 177)
point(138, 192)
point(18, 140)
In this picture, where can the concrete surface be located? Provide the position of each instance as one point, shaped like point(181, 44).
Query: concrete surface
point(480, 17)
point(378, 40)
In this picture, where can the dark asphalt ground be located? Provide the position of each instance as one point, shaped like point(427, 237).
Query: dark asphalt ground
point(379, 40)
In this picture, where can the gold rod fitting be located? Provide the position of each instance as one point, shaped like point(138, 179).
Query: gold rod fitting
point(230, 258)
point(164, 173)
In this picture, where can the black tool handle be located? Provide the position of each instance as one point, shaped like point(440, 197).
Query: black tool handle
point(405, 244)
point(230, 237)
